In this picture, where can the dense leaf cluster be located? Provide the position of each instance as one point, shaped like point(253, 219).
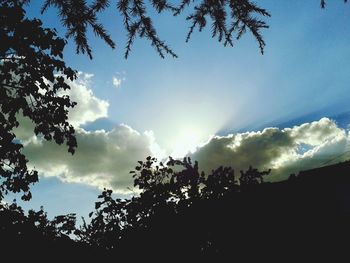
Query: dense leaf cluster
point(16, 224)
point(171, 199)
point(182, 214)
point(32, 85)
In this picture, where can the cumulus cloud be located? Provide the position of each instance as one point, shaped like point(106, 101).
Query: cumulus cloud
point(285, 151)
point(89, 108)
point(102, 159)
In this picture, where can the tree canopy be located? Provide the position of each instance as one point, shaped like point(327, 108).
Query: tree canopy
point(179, 213)
point(32, 81)
point(171, 198)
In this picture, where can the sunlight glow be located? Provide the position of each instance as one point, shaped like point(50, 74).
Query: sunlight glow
point(186, 142)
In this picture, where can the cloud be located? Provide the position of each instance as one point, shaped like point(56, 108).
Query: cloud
point(102, 159)
point(117, 82)
point(285, 151)
point(89, 108)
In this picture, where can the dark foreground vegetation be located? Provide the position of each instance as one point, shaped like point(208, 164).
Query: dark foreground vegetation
point(181, 214)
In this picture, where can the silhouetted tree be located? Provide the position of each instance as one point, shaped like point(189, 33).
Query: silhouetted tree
point(32, 78)
point(220, 182)
point(15, 224)
point(252, 177)
point(32, 236)
point(229, 20)
point(174, 206)
point(297, 218)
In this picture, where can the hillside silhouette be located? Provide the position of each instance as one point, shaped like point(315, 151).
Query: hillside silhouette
point(307, 215)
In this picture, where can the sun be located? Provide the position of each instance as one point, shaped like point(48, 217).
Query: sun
point(185, 142)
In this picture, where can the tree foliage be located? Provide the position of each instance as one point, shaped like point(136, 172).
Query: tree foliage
point(32, 81)
point(228, 20)
point(16, 224)
point(183, 214)
point(171, 196)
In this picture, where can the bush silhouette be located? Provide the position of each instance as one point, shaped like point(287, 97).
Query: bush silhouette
point(180, 213)
point(177, 208)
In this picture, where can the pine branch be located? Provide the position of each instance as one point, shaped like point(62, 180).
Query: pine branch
point(227, 17)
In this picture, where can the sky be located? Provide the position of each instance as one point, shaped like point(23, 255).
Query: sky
point(286, 110)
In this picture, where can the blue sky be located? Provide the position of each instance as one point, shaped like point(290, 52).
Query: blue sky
point(210, 89)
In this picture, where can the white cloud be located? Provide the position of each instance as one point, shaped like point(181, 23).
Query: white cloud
point(117, 82)
point(281, 150)
point(89, 108)
point(102, 159)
